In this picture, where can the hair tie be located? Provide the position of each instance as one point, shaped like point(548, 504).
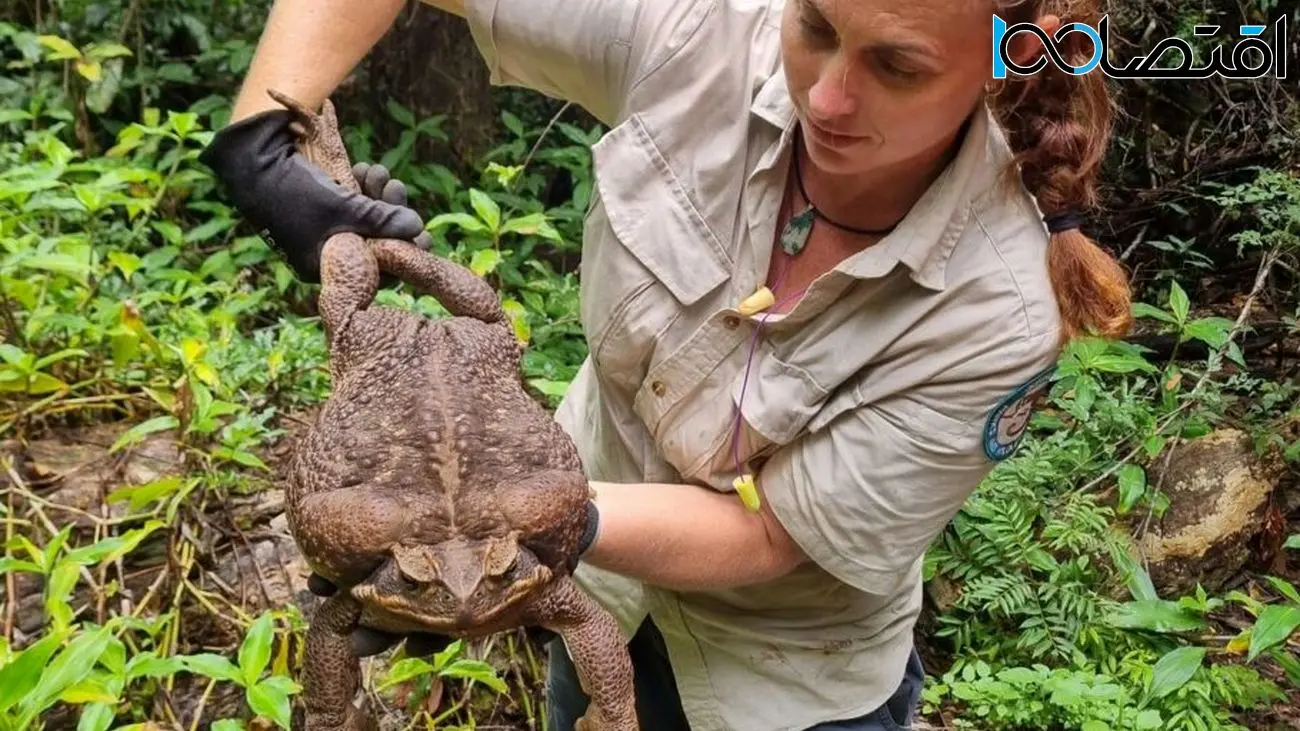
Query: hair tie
point(1062, 221)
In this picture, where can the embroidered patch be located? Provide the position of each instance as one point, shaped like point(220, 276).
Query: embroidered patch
point(1007, 421)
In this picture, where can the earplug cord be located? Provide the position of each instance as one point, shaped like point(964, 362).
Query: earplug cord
point(749, 360)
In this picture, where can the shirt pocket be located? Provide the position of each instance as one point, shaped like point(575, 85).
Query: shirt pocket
point(650, 253)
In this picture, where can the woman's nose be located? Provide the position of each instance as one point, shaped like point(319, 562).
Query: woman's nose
point(831, 97)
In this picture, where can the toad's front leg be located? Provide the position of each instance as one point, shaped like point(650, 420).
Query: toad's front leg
point(599, 653)
point(331, 671)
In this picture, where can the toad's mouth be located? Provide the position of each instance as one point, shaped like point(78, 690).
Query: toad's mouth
point(431, 605)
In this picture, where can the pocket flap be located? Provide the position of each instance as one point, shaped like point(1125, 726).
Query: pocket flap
point(652, 215)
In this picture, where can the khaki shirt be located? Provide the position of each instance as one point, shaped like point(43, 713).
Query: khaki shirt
point(869, 400)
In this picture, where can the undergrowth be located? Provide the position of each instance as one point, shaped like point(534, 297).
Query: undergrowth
point(132, 295)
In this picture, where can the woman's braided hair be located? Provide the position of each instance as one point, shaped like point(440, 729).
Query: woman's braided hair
point(1058, 124)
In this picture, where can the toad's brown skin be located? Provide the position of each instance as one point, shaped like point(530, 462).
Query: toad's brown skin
point(432, 489)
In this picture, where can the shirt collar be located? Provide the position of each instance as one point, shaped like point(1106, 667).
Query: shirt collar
point(925, 238)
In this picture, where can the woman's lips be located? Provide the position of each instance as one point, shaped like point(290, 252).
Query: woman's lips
point(830, 139)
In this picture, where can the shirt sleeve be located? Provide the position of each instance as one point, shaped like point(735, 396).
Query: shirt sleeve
point(865, 495)
point(588, 52)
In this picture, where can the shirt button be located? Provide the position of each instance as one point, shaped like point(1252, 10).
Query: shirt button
point(730, 322)
point(658, 388)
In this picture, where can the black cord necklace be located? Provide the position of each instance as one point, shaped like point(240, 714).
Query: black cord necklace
point(796, 231)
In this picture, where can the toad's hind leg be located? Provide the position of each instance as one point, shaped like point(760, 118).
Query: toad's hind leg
point(599, 652)
point(332, 672)
point(454, 286)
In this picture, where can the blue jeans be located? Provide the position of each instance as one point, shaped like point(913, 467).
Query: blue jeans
point(659, 708)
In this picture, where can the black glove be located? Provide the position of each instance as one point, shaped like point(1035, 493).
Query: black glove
point(293, 203)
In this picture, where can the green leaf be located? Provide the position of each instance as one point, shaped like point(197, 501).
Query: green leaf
point(143, 429)
point(228, 724)
point(1132, 486)
point(64, 264)
point(269, 701)
point(1294, 540)
point(19, 676)
point(475, 670)
point(1148, 719)
point(484, 261)
point(1210, 330)
point(68, 668)
point(486, 208)
point(463, 220)
point(405, 669)
point(1174, 669)
point(60, 49)
point(1142, 309)
point(11, 381)
point(1273, 626)
point(212, 665)
point(1285, 588)
point(255, 651)
point(1156, 615)
point(1178, 302)
point(97, 716)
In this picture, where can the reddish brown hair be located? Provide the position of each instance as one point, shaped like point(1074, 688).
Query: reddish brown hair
point(1059, 124)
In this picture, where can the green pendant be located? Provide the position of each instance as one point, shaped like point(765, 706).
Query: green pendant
point(796, 231)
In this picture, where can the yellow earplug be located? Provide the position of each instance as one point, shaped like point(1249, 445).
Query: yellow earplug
point(747, 491)
point(756, 302)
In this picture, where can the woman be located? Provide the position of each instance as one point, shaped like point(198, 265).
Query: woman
point(813, 279)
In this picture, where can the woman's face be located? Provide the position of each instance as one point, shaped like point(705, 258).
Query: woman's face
point(881, 83)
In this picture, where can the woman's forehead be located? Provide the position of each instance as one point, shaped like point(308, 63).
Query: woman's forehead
point(938, 24)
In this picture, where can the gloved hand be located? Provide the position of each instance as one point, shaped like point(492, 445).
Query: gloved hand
point(367, 642)
point(294, 204)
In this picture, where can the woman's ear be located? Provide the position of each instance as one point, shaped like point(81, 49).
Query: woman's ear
point(1026, 47)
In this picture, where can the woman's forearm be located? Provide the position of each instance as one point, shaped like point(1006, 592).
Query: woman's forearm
point(687, 538)
point(308, 47)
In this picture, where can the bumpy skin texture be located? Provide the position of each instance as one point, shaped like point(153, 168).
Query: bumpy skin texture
point(432, 490)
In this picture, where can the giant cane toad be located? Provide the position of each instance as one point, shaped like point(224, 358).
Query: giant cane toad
point(431, 488)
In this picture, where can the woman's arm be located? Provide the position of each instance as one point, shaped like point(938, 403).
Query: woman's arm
point(688, 538)
point(309, 46)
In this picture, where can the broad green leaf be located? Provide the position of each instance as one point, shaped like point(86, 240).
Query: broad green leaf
point(1142, 309)
point(145, 493)
point(97, 716)
point(269, 701)
point(1273, 626)
point(255, 651)
point(1178, 302)
point(486, 208)
point(101, 51)
point(228, 724)
point(1294, 540)
point(212, 665)
point(143, 429)
point(64, 264)
point(1132, 486)
point(1148, 719)
point(11, 381)
point(75, 662)
point(1174, 669)
point(90, 70)
point(1285, 588)
point(21, 674)
point(1156, 615)
point(463, 220)
point(484, 261)
point(475, 670)
point(60, 49)
point(405, 669)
